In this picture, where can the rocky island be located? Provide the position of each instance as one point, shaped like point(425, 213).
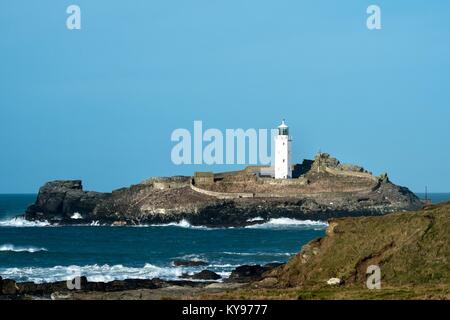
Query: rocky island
point(320, 189)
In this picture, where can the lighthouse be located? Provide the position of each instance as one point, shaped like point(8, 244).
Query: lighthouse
point(283, 159)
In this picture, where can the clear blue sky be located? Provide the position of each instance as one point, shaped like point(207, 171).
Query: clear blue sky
point(99, 104)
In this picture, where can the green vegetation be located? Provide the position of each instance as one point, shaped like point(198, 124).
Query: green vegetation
point(412, 250)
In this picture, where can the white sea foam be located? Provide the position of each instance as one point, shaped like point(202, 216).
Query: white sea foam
point(255, 219)
point(191, 257)
point(226, 265)
point(13, 248)
point(97, 273)
point(181, 224)
point(276, 223)
point(274, 254)
point(76, 216)
point(21, 222)
point(282, 223)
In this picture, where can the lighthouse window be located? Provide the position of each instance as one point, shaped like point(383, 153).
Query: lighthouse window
point(283, 131)
point(283, 160)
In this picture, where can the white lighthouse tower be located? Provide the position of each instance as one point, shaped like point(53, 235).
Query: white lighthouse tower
point(283, 158)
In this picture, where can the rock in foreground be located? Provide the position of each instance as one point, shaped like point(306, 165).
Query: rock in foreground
point(203, 275)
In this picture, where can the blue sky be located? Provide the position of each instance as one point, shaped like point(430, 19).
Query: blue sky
point(100, 103)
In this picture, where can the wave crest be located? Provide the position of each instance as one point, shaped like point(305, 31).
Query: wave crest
point(181, 224)
point(270, 254)
point(96, 273)
point(22, 222)
point(13, 248)
point(282, 223)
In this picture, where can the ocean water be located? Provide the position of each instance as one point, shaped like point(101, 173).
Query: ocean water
point(435, 197)
point(42, 253)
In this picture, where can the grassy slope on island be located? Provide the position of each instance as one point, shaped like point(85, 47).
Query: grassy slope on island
point(412, 250)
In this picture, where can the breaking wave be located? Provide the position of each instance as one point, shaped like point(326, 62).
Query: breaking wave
point(12, 248)
point(181, 224)
point(276, 223)
point(255, 219)
point(97, 273)
point(76, 216)
point(283, 223)
point(22, 222)
point(269, 254)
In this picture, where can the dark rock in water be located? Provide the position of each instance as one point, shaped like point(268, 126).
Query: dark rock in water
point(202, 275)
point(60, 200)
point(189, 263)
point(9, 287)
point(250, 273)
point(247, 273)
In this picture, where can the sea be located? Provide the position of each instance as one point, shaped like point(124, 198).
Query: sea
point(39, 252)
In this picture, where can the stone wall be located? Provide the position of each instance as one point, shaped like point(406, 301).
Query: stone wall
point(163, 183)
point(357, 174)
point(222, 195)
point(283, 182)
point(203, 178)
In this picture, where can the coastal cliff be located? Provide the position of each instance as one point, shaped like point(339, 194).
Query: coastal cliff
point(410, 249)
point(322, 189)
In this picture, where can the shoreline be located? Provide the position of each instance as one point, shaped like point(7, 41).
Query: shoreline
point(202, 282)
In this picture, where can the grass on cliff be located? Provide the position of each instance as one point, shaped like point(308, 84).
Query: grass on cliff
point(412, 250)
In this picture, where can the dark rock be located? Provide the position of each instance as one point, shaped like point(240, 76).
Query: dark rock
point(30, 288)
point(301, 169)
point(247, 273)
point(9, 287)
point(59, 200)
point(384, 177)
point(202, 275)
point(351, 168)
point(189, 263)
point(130, 284)
point(19, 290)
point(272, 265)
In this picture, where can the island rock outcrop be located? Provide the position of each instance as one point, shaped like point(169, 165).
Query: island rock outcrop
point(321, 189)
